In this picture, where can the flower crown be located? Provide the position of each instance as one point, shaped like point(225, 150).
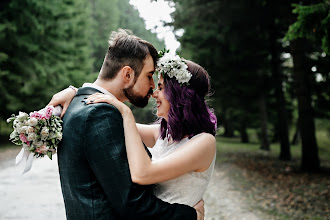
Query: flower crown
point(173, 66)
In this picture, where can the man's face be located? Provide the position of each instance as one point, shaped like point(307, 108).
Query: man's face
point(139, 93)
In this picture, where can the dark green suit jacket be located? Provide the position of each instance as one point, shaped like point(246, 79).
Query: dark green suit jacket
point(94, 171)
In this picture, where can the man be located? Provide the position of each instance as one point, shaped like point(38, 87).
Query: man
point(93, 166)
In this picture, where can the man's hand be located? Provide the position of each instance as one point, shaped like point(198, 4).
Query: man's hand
point(63, 98)
point(200, 210)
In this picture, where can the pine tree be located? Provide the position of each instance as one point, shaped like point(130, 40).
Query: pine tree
point(313, 22)
point(44, 47)
point(312, 26)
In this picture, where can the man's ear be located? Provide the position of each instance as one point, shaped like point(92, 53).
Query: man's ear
point(127, 74)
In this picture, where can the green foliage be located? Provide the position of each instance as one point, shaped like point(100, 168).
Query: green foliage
point(105, 18)
point(162, 52)
point(109, 15)
point(234, 48)
point(37, 58)
point(313, 23)
point(48, 45)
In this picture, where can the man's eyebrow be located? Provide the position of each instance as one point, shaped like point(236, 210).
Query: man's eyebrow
point(152, 72)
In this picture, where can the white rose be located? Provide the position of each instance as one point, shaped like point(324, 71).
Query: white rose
point(22, 116)
point(32, 122)
point(22, 129)
point(38, 143)
point(31, 136)
point(44, 132)
point(58, 135)
point(17, 123)
point(29, 130)
point(13, 135)
point(51, 135)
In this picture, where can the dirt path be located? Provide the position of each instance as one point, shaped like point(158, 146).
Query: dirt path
point(37, 195)
point(223, 202)
point(34, 195)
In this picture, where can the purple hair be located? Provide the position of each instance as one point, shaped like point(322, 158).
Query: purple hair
point(189, 113)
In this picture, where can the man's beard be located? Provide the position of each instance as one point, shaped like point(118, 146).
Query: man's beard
point(135, 99)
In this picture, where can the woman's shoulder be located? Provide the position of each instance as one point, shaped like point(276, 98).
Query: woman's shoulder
point(202, 143)
point(203, 148)
point(206, 138)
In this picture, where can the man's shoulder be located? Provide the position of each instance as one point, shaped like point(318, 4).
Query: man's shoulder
point(101, 109)
point(78, 110)
point(97, 114)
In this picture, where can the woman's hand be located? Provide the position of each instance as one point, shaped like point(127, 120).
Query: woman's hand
point(63, 98)
point(99, 97)
point(200, 210)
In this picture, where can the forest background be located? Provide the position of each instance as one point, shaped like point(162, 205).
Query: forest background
point(268, 60)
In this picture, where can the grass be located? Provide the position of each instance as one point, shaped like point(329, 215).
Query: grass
point(276, 187)
point(234, 144)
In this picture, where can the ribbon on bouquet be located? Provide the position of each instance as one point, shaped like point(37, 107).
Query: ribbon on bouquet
point(25, 156)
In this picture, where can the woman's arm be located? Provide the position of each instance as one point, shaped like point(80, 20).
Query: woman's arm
point(63, 98)
point(195, 155)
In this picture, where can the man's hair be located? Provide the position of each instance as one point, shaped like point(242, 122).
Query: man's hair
point(126, 49)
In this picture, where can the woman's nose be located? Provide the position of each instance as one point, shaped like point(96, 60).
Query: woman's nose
point(155, 94)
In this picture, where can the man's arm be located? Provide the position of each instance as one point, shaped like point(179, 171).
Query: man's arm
point(106, 153)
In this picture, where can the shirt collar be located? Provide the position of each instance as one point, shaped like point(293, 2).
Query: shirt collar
point(98, 88)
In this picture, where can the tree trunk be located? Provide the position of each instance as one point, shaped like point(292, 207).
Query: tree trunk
point(282, 115)
point(263, 124)
point(229, 130)
point(310, 160)
point(244, 135)
point(296, 136)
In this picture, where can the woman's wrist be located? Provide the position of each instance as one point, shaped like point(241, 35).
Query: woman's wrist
point(126, 111)
point(73, 89)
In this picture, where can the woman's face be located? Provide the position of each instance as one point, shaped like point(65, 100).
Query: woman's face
point(163, 106)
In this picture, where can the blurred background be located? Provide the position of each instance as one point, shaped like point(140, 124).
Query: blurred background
point(269, 65)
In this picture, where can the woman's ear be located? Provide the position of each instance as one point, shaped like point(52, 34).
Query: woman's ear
point(127, 74)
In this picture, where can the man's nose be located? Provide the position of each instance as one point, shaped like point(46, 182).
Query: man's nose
point(152, 84)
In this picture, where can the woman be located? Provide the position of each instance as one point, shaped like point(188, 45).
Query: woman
point(182, 143)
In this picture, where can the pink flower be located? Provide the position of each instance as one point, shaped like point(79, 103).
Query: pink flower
point(49, 111)
point(36, 115)
point(44, 149)
point(23, 138)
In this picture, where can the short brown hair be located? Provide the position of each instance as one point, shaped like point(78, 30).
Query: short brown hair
point(126, 49)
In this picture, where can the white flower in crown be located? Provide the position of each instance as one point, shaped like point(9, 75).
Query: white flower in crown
point(174, 66)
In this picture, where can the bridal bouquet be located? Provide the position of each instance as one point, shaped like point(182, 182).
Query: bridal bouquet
point(39, 133)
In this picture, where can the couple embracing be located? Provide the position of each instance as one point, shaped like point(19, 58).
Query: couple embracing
point(112, 168)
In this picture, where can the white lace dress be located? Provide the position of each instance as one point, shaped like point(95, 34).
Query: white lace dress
point(187, 189)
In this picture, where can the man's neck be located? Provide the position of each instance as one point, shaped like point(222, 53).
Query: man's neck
point(114, 87)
